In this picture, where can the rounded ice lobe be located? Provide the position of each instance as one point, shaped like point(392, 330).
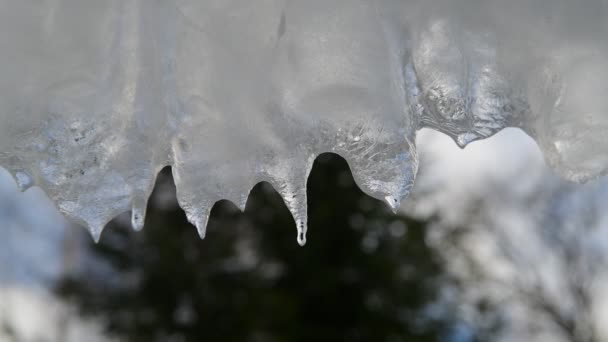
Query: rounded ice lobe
point(97, 96)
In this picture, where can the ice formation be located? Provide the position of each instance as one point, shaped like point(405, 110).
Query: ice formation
point(97, 96)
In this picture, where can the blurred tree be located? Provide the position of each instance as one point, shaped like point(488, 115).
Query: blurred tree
point(365, 274)
point(532, 267)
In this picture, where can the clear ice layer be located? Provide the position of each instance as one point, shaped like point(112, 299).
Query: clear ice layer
point(97, 96)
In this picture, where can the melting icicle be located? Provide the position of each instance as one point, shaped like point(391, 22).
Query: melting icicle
point(302, 229)
point(299, 212)
point(233, 93)
point(292, 188)
point(138, 211)
point(138, 217)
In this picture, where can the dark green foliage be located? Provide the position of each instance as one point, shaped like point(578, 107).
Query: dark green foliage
point(364, 275)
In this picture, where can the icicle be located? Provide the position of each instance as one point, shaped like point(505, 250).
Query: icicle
point(95, 227)
point(393, 202)
point(292, 188)
point(302, 229)
point(295, 198)
point(138, 218)
point(441, 68)
point(95, 231)
point(297, 78)
point(242, 203)
point(199, 217)
point(463, 140)
point(401, 192)
point(138, 211)
point(24, 180)
point(389, 172)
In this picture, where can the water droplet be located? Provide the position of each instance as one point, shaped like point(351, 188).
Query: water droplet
point(298, 209)
point(24, 180)
point(293, 191)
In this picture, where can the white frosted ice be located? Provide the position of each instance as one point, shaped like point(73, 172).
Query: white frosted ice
point(97, 96)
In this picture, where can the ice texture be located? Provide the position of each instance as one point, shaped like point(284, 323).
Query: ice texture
point(97, 96)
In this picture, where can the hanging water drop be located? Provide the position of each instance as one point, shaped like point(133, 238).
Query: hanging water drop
point(291, 186)
point(298, 207)
point(243, 202)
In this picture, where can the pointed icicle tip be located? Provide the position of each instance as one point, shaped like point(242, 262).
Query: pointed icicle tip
point(139, 205)
point(294, 196)
point(24, 180)
point(393, 202)
point(95, 232)
point(302, 229)
point(200, 219)
point(201, 228)
point(243, 203)
point(298, 208)
point(138, 218)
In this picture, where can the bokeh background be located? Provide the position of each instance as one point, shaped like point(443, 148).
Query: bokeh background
point(491, 246)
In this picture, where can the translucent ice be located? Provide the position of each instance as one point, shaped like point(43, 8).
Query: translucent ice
point(97, 96)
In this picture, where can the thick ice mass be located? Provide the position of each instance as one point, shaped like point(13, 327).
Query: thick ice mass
point(97, 96)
